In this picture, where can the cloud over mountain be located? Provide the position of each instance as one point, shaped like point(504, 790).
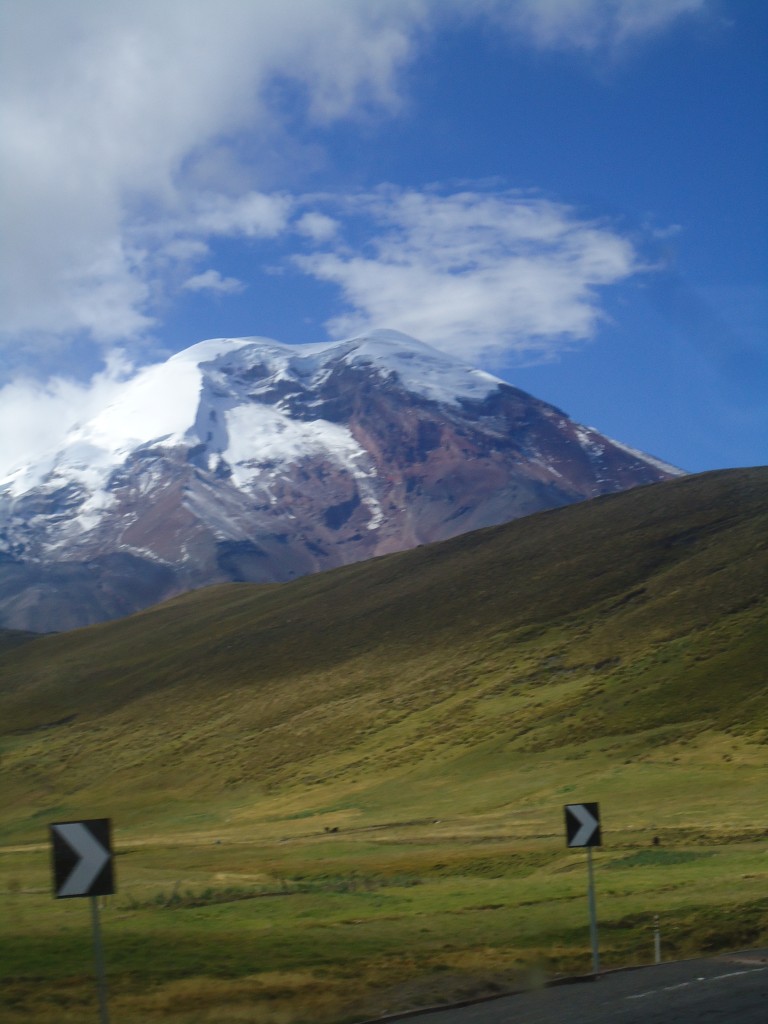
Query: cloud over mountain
point(475, 274)
point(128, 127)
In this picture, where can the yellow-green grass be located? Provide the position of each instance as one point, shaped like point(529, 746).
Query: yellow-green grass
point(344, 795)
point(332, 927)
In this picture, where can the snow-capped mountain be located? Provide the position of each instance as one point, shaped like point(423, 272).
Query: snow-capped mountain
point(245, 459)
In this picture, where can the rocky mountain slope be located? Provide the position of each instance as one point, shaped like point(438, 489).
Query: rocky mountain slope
point(244, 459)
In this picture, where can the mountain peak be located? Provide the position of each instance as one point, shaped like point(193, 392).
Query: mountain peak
point(421, 368)
point(244, 458)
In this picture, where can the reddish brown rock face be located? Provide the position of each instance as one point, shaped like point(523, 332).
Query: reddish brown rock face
point(373, 464)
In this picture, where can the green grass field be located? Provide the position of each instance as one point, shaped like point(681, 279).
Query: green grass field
point(345, 926)
point(343, 796)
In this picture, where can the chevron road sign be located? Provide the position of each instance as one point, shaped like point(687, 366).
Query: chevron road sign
point(81, 853)
point(582, 824)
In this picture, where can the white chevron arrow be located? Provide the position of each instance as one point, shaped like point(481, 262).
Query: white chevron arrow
point(587, 824)
point(93, 857)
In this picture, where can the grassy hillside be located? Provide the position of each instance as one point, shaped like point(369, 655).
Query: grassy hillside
point(10, 638)
point(638, 617)
point(422, 718)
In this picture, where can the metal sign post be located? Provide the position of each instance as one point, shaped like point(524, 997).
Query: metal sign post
point(81, 855)
point(592, 914)
point(582, 828)
point(98, 957)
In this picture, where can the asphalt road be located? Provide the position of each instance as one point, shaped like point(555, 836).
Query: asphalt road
point(730, 989)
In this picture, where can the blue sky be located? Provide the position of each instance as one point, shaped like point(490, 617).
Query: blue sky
point(570, 193)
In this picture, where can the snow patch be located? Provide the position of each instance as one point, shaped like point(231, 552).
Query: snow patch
point(261, 434)
point(588, 439)
point(421, 369)
point(595, 444)
point(665, 467)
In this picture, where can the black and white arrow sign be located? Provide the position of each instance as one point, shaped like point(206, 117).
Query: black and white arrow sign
point(82, 858)
point(582, 824)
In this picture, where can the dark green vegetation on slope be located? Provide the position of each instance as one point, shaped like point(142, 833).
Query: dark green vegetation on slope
point(437, 707)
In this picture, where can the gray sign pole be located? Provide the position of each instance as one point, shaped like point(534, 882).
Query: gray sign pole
point(592, 914)
point(98, 956)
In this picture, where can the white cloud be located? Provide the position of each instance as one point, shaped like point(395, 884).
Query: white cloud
point(587, 24)
point(255, 215)
point(130, 125)
point(475, 274)
point(185, 249)
point(317, 226)
point(109, 110)
point(35, 417)
point(211, 280)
